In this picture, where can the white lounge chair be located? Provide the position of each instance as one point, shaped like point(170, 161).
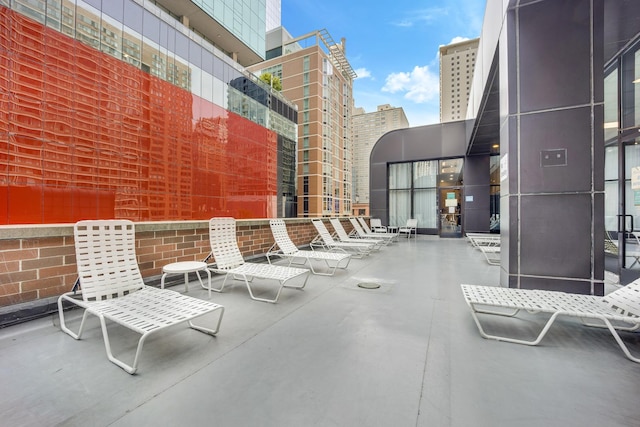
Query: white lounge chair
point(229, 261)
point(324, 240)
point(483, 239)
point(410, 227)
point(382, 230)
point(619, 310)
point(344, 237)
point(488, 244)
point(112, 289)
point(376, 225)
point(359, 233)
point(285, 248)
point(491, 254)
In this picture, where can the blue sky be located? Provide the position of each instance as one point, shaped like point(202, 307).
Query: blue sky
point(392, 45)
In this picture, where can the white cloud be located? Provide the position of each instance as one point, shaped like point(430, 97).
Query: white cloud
point(423, 17)
point(420, 85)
point(459, 39)
point(362, 73)
point(403, 23)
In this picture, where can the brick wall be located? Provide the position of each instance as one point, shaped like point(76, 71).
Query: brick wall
point(35, 268)
point(38, 262)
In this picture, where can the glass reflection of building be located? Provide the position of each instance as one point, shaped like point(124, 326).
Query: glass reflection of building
point(123, 112)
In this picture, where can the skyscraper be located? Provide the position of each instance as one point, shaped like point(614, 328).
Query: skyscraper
point(367, 128)
point(274, 14)
point(457, 61)
point(317, 77)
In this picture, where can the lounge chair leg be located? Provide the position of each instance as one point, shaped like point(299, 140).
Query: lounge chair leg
point(622, 345)
point(536, 341)
point(273, 301)
point(297, 287)
point(63, 324)
point(208, 330)
point(223, 283)
point(497, 313)
point(131, 369)
point(209, 280)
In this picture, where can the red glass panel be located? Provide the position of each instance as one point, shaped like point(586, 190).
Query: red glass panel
point(94, 137)
point(25, 204)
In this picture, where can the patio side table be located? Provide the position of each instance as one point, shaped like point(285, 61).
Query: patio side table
point(185, 268)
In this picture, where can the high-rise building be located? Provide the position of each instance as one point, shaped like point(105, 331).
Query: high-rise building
point(317, 77)
point(367, 129)
point(274, 14)
point(457, 62)
point(125, 109)
point(237, 28)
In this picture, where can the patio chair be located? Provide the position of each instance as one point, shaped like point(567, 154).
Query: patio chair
point(112, 289)
point(285, 248)
point(612, 247)
point(344, 237)
point(410, 227)
point(619, 310)
point(359, 233)
point(325, 241)
point(229, 261)
point(376, 225)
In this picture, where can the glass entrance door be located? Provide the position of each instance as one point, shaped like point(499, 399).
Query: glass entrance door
point(450, 213)
point(628, 215)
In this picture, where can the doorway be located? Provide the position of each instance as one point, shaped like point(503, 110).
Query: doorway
point(450, 218)
point(628, 213)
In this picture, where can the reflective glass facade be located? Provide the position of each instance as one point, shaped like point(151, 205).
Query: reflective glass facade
point(122, 113)
point(246, 19)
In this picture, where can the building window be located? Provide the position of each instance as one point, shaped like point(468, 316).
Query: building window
point(494, 194)
point(413, 193)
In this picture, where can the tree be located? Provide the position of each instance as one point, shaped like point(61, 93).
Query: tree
point(271, 80)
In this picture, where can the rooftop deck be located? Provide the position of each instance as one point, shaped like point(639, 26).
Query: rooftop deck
point(333, 354)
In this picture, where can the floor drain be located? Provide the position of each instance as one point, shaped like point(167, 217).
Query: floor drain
point(368, 285)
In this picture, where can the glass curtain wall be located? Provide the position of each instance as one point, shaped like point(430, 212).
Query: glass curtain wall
point(413, 193)
point(425, 197)
point(399, 194)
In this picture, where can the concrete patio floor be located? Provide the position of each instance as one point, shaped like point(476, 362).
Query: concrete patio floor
point(333, 354)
